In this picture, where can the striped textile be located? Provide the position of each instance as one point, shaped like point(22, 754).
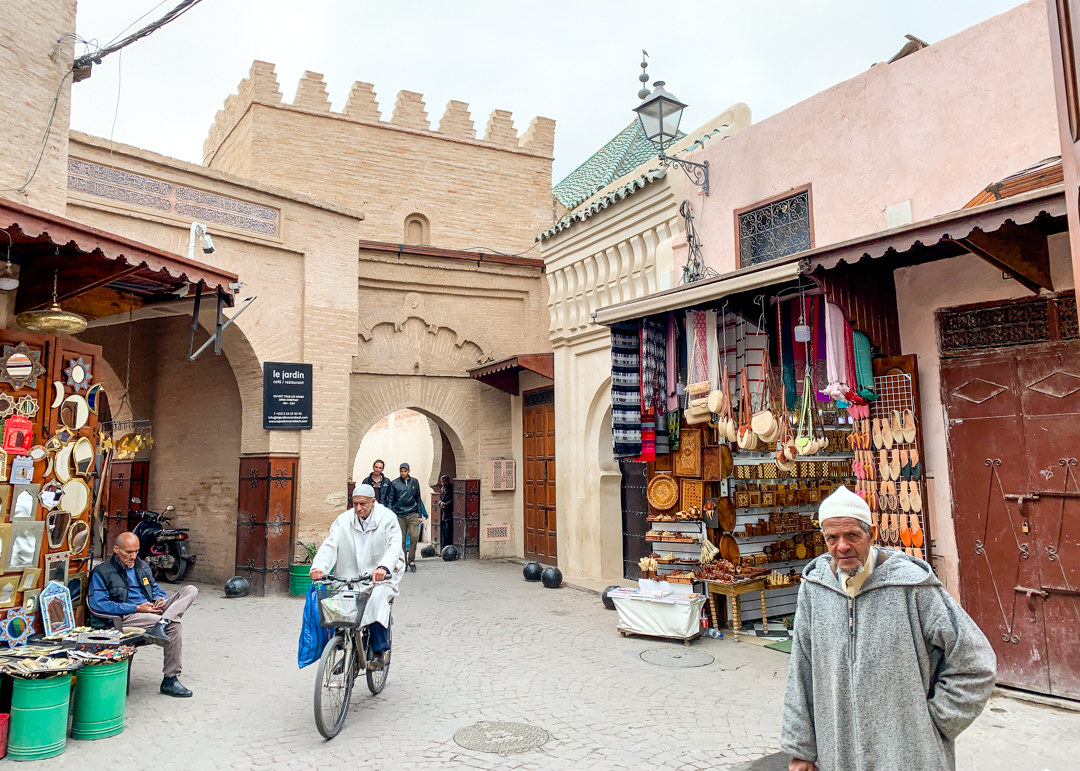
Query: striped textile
point(626, 390)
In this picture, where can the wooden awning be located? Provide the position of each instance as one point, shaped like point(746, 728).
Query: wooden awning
point(98, 273)
point(504, 374)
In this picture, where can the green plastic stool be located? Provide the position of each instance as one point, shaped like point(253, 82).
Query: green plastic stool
point(100, 698)
point(39, 716)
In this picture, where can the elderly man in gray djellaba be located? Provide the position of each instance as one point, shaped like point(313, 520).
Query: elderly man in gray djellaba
point(886, 668)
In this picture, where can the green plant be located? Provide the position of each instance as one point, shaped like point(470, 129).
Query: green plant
point(310, 550)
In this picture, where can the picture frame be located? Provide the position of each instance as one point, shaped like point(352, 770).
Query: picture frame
point(29, 579)
point(56, 567)
point(22, 470)
point(9, 590)
point(24, 548)
point(57, 615)
point(77, 586)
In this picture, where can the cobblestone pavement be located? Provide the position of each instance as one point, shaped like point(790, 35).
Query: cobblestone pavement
point(474, 642)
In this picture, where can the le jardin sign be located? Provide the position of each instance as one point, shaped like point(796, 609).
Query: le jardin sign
point(286, 396)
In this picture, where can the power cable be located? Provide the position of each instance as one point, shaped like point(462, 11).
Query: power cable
point(97, 56)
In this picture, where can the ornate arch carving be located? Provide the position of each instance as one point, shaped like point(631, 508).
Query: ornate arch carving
point(413, 308)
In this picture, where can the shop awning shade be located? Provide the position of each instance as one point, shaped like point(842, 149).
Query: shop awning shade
point(504, 374)
point(98, 273)
point(1010, 234)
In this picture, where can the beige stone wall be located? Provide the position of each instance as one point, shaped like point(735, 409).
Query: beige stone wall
point(493, 192)
point(34, 58)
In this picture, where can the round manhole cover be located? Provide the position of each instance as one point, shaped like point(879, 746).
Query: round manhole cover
point(681, 658)
point(501, 738)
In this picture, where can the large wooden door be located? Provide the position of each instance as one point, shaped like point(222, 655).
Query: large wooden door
point(538, 441)
point(266, 522)
point(1013, 434)
point(127, 479)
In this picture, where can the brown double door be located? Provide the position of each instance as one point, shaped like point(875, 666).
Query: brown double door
point(1014, 440)
point(538, 423)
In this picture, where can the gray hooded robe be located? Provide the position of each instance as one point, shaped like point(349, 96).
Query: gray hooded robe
point(885, 680)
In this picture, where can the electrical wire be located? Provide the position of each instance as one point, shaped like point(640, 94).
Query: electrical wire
point(489, 250)
point(125, 29)
point(175, 13)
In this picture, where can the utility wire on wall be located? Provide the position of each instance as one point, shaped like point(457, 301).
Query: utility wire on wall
point(83, 63)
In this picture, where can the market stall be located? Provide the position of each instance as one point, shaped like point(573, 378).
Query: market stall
point(746, 413)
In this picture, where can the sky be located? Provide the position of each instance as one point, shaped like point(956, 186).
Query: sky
point(575, 62)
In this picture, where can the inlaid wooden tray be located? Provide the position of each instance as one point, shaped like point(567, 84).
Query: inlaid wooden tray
point(663, 492)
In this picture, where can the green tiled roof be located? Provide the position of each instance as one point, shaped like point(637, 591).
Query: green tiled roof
point(628, 150)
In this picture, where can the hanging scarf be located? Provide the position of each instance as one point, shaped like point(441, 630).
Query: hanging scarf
point(671, 367)
point(787, 353)
point(836, 344)
point(625, 390)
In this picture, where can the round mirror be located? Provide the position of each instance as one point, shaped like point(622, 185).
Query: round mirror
point(38, 453)
point(75, 497)
point(78, 537)
point(7, 405)
point(16, 627)
point(20, 366)
point(78, 374)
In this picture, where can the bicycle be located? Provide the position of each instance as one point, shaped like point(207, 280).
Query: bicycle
point(344, 656)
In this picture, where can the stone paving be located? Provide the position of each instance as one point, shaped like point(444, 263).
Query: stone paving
point(474, 642)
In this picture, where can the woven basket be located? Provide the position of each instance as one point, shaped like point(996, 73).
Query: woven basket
point(663, 492)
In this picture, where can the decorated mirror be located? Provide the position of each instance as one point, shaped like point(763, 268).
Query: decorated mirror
point(20, 366)
point(24, 501)
point(50, 494)
point(78, 374)
point(27, 406)
point(94, 398)
point(56, 526)
point(77, 588)
point(38, 453)
point(75, 497)
point(22, 470)
point(56, 614)
point(7, 405)
point(56, 567)
point(18, 626)
point(74, 412)
point(18, 435)
point(25, 548)
point(9, 587)
point(78, 537)
point(5, 500)
point(62, 465)
point(62, 436)
point(30, 601)
point(58, 394)
point(29, 579)
point(83, 455)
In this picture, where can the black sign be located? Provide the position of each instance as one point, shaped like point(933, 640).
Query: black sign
point(286, 396)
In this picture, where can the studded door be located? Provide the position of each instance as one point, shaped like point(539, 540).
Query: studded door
point(1013, 438)
point(538, 443)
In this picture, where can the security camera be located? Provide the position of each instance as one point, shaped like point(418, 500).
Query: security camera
point(207, 243)
point(198, 230)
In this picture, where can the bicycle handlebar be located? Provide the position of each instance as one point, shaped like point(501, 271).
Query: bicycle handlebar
point(364, 579)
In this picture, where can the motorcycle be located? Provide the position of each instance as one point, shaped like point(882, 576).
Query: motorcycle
point(164, 549)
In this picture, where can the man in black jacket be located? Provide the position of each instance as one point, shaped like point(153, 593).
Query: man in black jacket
point(403, 498)
point(123, 591)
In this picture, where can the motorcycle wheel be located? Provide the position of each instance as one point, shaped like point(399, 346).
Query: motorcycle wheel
point(176, 573)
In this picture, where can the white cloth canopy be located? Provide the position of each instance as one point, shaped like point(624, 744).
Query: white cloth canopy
point(357, 547)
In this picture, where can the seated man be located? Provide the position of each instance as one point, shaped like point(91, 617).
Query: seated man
point(123, 590)
point(366, 540)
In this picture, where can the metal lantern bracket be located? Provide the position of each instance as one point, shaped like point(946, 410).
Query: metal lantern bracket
point(222, 322)
point(698, 173)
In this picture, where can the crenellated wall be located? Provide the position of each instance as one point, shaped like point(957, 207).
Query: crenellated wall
point(493, 192)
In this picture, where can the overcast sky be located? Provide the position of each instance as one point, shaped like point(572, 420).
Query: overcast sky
point(576, 62)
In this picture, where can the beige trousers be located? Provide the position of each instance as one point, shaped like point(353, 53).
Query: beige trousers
point(175, 607)
point(410, 525)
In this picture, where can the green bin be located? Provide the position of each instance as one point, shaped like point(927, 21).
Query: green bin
point(39, 716)
point(100, 696)
point(299, 580)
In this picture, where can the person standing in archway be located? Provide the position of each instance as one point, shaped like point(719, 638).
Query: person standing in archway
point(446, 511)
point(403, 498)
point(379, 483)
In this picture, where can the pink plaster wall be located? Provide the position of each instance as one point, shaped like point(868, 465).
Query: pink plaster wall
point(934, 128)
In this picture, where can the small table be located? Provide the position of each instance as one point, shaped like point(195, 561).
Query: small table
point(734, 592)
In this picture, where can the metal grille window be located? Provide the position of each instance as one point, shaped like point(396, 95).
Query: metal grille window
point(775, 230)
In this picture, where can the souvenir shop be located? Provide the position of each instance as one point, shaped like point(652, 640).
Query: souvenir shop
point(734, 418)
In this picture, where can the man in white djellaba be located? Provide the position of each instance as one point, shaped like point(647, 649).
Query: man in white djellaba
point(366, 540)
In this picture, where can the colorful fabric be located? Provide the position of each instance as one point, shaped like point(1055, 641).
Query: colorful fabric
point(625, 390)
point(836, 345)
point(674, 423)
point(671, 362)
point(864, 368)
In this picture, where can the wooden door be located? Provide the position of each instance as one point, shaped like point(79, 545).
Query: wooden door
point(266, 522)
point(127, 479)
point(635, 512)
point(1013, 429)
point(538, 442)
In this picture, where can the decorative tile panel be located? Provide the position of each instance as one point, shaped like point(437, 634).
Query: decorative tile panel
point(137, 190)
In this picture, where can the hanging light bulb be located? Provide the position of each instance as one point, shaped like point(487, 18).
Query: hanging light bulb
point(52, 320)
point(8, 280)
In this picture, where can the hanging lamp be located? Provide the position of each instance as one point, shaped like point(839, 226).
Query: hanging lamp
point(8, 280)
point(53, 320)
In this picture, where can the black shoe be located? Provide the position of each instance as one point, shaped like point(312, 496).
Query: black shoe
point(171, 686)
point(156, 634)
point(412, 566)
point(378, 661)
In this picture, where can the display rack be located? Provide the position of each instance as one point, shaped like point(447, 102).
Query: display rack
point(686, 551)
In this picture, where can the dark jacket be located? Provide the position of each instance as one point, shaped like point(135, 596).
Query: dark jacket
point(381, 490)
point(446, 498)
point(403, 497)
point(109, 591)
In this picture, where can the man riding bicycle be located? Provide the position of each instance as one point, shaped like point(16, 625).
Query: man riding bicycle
point(366, 540)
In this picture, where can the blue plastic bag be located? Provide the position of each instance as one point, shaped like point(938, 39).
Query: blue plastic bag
point(313, 636)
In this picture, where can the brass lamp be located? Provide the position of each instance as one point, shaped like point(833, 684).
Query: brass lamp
point(53, 320)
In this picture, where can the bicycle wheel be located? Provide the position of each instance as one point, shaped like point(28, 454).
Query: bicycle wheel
point(376, 678)
point(333, 684)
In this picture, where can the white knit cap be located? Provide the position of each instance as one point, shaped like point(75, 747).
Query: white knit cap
point(364, 491)
point(844, 503)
